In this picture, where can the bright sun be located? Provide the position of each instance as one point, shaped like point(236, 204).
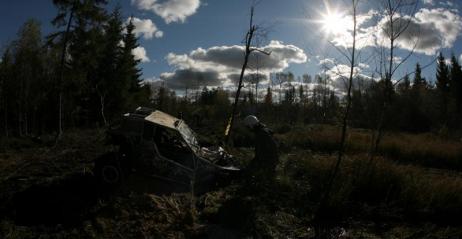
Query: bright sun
point(333, 23)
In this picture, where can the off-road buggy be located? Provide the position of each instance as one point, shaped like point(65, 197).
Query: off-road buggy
point(158, 145)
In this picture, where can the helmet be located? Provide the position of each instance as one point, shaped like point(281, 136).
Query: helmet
point(251, 121)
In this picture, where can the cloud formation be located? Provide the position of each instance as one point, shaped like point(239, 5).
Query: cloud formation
point(427, 31)
point(232, 57)
point(191, 79)
point(429, 2)
point(218, 65)
point(146, 28)
point(169, 10)
point(251, 78)
point(338, 74)
point(140, 54)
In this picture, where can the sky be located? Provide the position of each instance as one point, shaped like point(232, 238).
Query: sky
point(196, 43)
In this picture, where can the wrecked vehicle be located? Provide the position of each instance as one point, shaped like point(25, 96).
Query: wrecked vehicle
point(155, 144)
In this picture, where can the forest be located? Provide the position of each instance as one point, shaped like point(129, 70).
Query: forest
point(381, 158)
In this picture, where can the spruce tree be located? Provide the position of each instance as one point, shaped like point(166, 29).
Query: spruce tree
point(405, 85)
point(6, 90)
point(79, 42)
point(442, 85)
point(268, 97)
point(419, 81)
point(129, 71)
point(442, 75)
point(456, 89)
point(109, 85)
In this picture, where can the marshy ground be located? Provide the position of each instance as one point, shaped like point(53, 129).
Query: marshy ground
point(412, 190)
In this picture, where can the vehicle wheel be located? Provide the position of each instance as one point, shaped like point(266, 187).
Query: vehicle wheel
point(108, 170)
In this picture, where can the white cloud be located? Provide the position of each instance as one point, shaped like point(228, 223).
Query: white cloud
point(222, 63)
point(231, 57)
point(140, 54)
point(342, 71)
point(146, 28)
point(460, 58)
point(338, 74)
point(326, 61)
point(429, 2)
point(169, 10)
point(191, 78)
point(396, 59)
point(433, 29)
point(343, 37)
point(427, 31)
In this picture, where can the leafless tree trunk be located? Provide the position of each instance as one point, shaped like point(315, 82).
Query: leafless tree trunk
point(5, 116)
point(320, 233)
point(101, 99)
point(395, 11)
point(61, 76)
point(248, 50)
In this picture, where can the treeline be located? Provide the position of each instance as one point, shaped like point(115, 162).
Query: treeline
point(82, 75)
point(85, 75)
point(415, 104)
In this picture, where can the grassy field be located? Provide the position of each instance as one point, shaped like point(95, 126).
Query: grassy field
point(429, 150)
point(413, 189)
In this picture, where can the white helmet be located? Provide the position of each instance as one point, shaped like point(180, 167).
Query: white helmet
point(251, 121)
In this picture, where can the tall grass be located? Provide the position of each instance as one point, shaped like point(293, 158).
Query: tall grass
point(424, 149)
point(384, 190)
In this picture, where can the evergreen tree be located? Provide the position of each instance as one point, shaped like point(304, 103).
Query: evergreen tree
point(28, 71)
point(442, 74)
point(442, 85)
point(301, 94)
point(289, 95)
point(405, 85)
point(456, 90)
point(419, 81)
point(109, 86)
point(130, 74)
point(82, 20)
point(268, 97)
point(6, 90)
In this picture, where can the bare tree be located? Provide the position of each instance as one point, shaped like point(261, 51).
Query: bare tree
point(399, 15)
point(351, 59)
point(62, 65)
point(249, 49)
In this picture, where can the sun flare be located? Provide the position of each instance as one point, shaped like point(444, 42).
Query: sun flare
point(333, 23)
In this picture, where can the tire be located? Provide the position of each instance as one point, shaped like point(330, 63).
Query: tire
point(108, 171)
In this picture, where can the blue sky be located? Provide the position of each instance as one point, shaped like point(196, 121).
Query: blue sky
point(216, 26)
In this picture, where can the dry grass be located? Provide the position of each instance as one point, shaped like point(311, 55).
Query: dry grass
point(381, 191)
point(424, 149)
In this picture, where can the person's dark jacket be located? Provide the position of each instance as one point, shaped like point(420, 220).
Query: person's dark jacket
point(266, 150)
